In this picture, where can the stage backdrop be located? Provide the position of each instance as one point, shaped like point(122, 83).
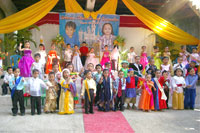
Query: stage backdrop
point(96, 33)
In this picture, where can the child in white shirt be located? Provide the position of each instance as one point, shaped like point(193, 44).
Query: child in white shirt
point(8, 76)
point(38, 65)
point(35, 84)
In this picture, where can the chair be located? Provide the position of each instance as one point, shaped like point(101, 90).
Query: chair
point(26, 97)
point(43, 95)
point(14, 60)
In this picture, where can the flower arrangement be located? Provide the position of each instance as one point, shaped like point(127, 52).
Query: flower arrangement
point(120, 41)
point(59, 42)
point(3, 55)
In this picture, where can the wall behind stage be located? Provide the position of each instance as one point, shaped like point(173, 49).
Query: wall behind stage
point(136, 36)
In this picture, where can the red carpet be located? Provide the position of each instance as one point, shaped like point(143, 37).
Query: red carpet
point(106, 122)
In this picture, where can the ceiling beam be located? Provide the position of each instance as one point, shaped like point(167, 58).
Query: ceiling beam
point(171, 7)
point(8, 7)
point(196, 11)
point(90, 5)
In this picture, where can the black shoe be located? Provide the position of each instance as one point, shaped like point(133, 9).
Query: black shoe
point(32, 113)
point(122, 110)
point(186, 108)
point(14, 114)
point(91, 112)
point(39, 113)
point(86, 112)
point(22, 114)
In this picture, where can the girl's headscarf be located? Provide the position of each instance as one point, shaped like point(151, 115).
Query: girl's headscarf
point(63, 72)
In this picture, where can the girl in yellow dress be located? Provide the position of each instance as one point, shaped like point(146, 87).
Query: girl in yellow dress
point(156, 55)
point(68, 91)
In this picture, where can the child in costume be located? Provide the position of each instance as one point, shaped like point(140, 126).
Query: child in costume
point(167, 53)
point(16, 84)
point(195, 56)
point(192, 64)
point(84, 51)
point(76, 61)
point(73, 76)
point(91, 58)
point(156, 55)
point(105, 57)
point(137, 67)
point(151, 68)
point(8, 76)
point(89, 91)
point(26, 61)
point(51, 56)
point(38, 65)
point(42, 53)
point(178, 83)
point(143, 57)
point(68, 91)
point(180, 65)
point(35, 85)
point(190, 93)
point(67, 56)
point(131, 57)
point(159, 94)
point(131, 84)
point(124, 68)
point(51, 94)
point(108, 37)
point(57, 79)
point(106, 92)
point(97, 77)
point(166, 81)
point(146, 102)
point(184, 54)
point(115, 58)
point(119, 89)
point(166, 66)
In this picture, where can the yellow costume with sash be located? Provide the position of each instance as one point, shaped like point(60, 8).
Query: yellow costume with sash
point(66, 101)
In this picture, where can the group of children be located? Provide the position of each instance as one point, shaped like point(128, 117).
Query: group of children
point(103, 85)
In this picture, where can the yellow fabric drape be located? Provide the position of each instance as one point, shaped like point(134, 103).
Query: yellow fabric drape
point(26, 17)
point(72, 6)
point(159, 25)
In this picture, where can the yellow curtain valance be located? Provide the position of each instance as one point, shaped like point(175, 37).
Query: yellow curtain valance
point(159, 25)
point(26, 17)
point(72, 6)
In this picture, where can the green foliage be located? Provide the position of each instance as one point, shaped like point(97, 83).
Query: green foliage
point(124, 54)
point(166, 43)
point(12, 39)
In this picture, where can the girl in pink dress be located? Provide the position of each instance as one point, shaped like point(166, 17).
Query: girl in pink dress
point(184, 54)
point(105, 57)
point(91, 58)
point(143, 57)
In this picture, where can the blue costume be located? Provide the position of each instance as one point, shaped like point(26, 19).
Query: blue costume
point(106, 93)
point(190, 93)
